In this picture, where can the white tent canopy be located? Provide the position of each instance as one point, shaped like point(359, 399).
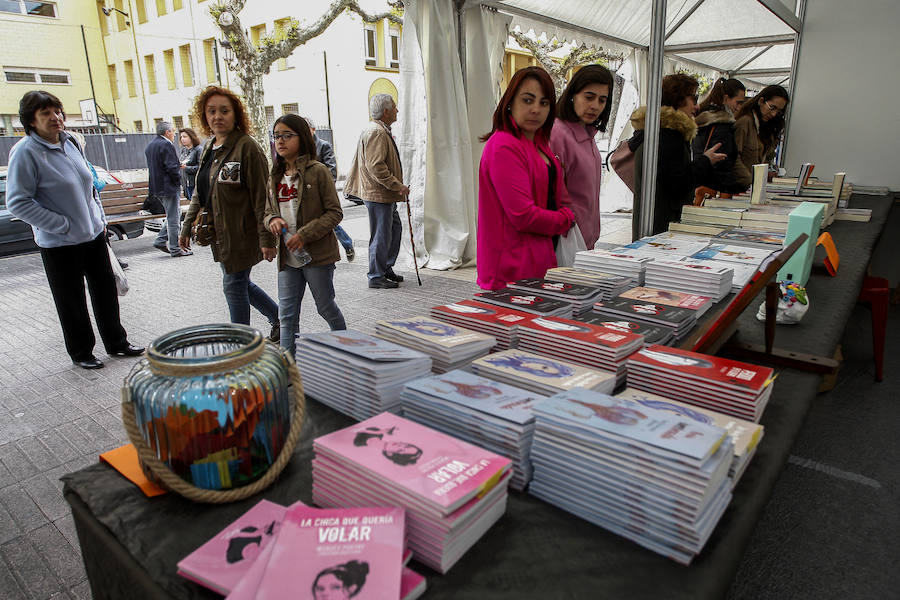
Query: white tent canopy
point(753, 40)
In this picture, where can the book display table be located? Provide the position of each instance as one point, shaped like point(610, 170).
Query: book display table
point(131, 544)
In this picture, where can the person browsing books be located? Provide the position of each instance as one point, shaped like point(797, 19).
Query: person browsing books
point(522, 197)
point(758, 127)
point(232, 187)
point(715, 125)
point(582, 111)
point(676, 173)
point(306, 206)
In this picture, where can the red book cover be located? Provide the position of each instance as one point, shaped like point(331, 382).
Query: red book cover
point(482, 311)
point(584, 332)
point(724, 371)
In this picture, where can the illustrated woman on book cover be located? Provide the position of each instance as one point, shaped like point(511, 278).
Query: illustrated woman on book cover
point(427, 328)
point(533, 365)
point(401, 453)
point(349, 341)
point(340, 582)
point(477, 390)
point(621, 415)
point(245, 543)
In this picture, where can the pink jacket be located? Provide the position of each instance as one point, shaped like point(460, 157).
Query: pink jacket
point(574, 145)
point(515, 228)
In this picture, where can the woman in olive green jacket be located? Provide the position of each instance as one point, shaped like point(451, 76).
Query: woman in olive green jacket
point(232, 183)
point(304, 209)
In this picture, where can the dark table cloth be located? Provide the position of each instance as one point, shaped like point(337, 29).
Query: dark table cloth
point(131, 544)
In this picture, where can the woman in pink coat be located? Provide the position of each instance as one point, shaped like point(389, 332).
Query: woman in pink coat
point(582, 110)
point(521, 190)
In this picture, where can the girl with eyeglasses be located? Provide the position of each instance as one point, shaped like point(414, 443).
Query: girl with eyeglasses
point(758, 127)
point(304, 208)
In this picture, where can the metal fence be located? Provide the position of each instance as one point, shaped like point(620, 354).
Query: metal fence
point(116, 152)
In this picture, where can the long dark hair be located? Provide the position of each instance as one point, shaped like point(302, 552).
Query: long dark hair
point(298, 125)
point(588, 75)
point(195, 140)
point(352, 576)
point(502, 116)
point(769, 131)
point(723, 87)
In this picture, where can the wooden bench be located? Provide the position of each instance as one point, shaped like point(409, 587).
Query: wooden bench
point(122, 203)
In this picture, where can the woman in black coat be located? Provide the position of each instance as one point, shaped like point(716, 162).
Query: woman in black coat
point(190, 158)
point(715, 125)
point(676, 173)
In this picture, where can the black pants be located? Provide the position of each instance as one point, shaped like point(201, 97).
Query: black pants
point(67, 267)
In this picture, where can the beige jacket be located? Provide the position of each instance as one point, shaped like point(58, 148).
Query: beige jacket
point(751, 150)
point(376, 174)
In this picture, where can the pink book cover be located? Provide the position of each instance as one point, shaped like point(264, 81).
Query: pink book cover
point(336, 553)
point(412, 585)
point(440, 469)
point(482, 311)
point(584, 332)
point(222, 561)
point(727, 372)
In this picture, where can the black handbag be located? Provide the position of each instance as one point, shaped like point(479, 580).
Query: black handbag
point(153, 205)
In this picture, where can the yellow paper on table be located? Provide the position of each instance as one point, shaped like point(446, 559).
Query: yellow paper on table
point(125, 461)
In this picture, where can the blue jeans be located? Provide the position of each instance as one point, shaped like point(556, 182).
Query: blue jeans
point(168, 233)
point(384, 237)
point(292, 284)
point(343, 238)
point(241, 294)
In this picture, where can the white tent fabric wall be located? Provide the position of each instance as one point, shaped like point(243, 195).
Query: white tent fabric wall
point(444, 207)
point(486, 33)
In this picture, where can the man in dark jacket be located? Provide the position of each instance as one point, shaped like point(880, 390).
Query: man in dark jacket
point(325, 155)
point(164, 170)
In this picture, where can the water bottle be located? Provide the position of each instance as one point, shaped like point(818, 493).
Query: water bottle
point(301, 255)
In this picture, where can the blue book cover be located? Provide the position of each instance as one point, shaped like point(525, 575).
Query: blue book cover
point(479, 393)
point(364, 345)
point(602, 413)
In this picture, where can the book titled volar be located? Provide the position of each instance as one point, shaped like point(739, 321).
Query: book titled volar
point(333, 553)
point(439, 469)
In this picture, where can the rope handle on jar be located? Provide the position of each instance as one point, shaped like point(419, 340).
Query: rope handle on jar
point(176, 484)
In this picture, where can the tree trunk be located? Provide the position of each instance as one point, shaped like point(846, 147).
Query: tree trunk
point(252, 86)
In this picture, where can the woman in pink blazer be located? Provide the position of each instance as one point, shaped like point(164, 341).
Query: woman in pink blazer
point(522, 195)
point(582, 111)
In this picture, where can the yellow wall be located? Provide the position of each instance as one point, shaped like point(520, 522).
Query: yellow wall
point(60, 47)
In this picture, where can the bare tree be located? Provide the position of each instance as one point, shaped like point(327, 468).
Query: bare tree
point(251, 62)
point(577, 56)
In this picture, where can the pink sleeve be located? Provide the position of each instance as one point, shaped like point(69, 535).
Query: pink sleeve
point(510, 177)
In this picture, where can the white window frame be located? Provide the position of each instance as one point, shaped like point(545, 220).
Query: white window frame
point(24, 11)
point(393, 61)
point(374, 57)
point(38, 73)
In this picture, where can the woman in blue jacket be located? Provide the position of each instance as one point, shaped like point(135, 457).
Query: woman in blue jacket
point(49, 186)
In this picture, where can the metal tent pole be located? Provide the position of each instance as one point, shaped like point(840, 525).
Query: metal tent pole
point(651, 124)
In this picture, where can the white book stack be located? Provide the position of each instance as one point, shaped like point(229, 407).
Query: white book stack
point(357, 374)
point(498, 321)
point(450, 347)
point(542, 374)
point(657, 479)
point(626, 264)
point(487, 413)
point(612, 285)
point(691, 276)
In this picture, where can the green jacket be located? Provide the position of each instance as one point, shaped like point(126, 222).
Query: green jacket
point(239, 192)
point(318, 213)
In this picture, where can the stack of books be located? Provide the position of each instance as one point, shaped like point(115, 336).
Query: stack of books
point(727, 253)
point(718, 217)
point(767, 218)
point(452, 491)
point(695, 302)
point(355, 373)
point(652, 477)
point(750, 238)
point(593, 346)
point(719, 384)
point(626, 264)
point(527, 302)
point(542, 374)
point(663, 247)
point(498, 321)
point(744, 434)
point(449, 346)
point(249, 556)
point(611, 285)
point(692, 277)
point(681, 320)
point(581, 297)
point(652, 334)
point(489, 414)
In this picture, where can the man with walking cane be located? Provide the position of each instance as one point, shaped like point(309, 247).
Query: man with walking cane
point(376, 176)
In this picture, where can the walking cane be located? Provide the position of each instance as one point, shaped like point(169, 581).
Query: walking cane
point(412, 241)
